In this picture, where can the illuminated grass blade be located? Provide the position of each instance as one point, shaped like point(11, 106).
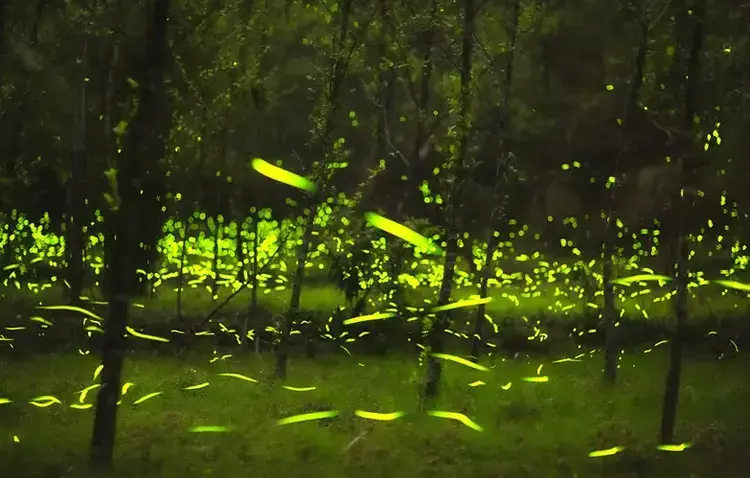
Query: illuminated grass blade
point(3, 401)
point(400, 231)
point(680, 447)
point(731, 284)
point(147, 397)
point(456, 416)
point(282, 175)
point(383, 417)
point(73, 309)
point(477, 383)
point(140, 335)
point(240, 376)
point(81, 406)
point(535, 379)
point(368, 318)
point(98, 371)
point(608, 452)
point(307, 417)
point(197, 387)
point(209, 429)
point(299, 389)
point(506, 386)
point(641, 278)
point(461, 361)
point(462, 303)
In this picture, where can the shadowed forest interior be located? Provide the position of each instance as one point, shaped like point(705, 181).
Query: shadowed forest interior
point(404, 238)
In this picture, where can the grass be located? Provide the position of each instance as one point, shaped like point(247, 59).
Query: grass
point(530, 430)
point(508, 301)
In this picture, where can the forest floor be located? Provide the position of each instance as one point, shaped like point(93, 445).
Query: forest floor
point(508, 300)
point(529, 428)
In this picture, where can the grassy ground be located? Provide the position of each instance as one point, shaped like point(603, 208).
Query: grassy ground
point(529, 430)
point(507, 301)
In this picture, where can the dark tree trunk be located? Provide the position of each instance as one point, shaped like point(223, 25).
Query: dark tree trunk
point(18, 119)
point(76, 209)
point(183, 257)
point(611, 339)
point(499, 191)
point(683, 200)
point(488, 270)
point(442, 321)
point(336, 74)
point(282, 345)
point(3, 5)
point(421, 139)
point(385, 81)
point(215, 260)
point(144, 148)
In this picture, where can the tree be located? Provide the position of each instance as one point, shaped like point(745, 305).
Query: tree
point(501, 179)
point(144, 148)
point(685, 156)
point(342, 46)
point(456, 185)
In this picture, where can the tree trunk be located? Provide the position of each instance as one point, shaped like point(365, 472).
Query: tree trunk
point(488, 270)
point(282, 345)
point(74, 238)
point(215, 260)
point(610, 314)
point(181, 273)
point(385, 81)
point(442, 321)
point(253, 307)
point(3, 5)
point(611, 339)
point(19, 118)
point(487, 273)
point(145, 147)
point(421, 139)
point(239, 252)
point(684, 202)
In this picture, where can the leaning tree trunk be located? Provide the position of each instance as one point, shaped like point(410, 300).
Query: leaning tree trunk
point(683, 202)
point(442, 321)
point(337, 71)
point(144, 149)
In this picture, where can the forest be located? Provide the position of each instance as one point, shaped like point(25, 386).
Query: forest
point(408, 238)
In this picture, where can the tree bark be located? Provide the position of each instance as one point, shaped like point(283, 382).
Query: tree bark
point(282, 344)
point(500, 173)
point(144, 148)
point(76, 209)
point(683, 201)
point(442, 321)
